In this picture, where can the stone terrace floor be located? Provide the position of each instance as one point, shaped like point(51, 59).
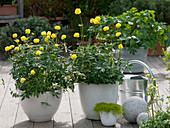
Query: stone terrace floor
point(69, 114)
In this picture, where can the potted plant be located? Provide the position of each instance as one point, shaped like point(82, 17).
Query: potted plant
point(158, 107)
point(108, 112)
point(139, 31)
point(99, 73)
point(41, 74)
point(9, 7)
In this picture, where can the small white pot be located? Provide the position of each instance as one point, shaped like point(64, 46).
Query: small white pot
point(37, 112)
point(108, 119)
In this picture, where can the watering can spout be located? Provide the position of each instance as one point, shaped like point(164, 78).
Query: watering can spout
point(143, 64)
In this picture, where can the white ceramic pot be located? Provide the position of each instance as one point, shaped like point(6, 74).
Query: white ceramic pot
point(108, 119)
point(37, 112)
point(90, 94)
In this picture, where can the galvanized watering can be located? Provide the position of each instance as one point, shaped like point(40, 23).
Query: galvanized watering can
point(134, 85)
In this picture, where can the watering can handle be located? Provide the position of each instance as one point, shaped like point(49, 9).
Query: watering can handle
point(144, 65)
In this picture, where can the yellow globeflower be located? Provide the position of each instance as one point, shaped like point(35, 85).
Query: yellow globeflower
point(106, 28)
point(32, 33)
point(41, 48)
point(77, 11)
point(96, 22)
point(22, 80)
point(76, 35)
point(63, 37)
point(147, 75)
point(56, 45)
point(111, 59)
point(118, 34)
point(23, 38)
point(97, 18)
point(38, 53)
point(43, 33)
point(32, 72)
point(74, 56)
point(36, 40)
point(120, 46)
point(48, 33)
point(27, 31)
point(17, 41)
point(53, 36)
point(92, 20)
point(14, 35)
point(118, 25)
point(57, 27)
point(17, 48)
point(12, 46)
point(7, 48)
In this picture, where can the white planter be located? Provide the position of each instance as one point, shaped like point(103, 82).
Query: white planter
point(92, 94)
point(108, 119)
point(37, 112)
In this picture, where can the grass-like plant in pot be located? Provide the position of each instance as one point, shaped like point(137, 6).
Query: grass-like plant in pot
point(40, 73)
point(139, 31)
point(99, 74)
point(108, 112)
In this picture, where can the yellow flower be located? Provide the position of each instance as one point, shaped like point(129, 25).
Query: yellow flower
point(32, 72)
point(48, 33)
point(96, 22)
point(12, 46)
point(118, 34)
point(106, 28)
point(80, 25)
point(32, 33)
point(53, 36)
point(38, 52)
point(36, 41)
point(166, 102)
point(57, 27)
point(77, 11)
point(43, 33)
point(120, 46)
point(118, 25)
point(17, 41)
point(7, 48)
point(41, 48)
point(63, 37)
point(14, 35)
point(22, 80)
point(74, 56)
point(56, 45)
point(27, 31)
point(154, 79)
point(23, 38)
point(92, 20)
point(30, 47)
point(147, 75)
point(111, 59)
point(17, 48)
point(97, 18)
point(76, 35)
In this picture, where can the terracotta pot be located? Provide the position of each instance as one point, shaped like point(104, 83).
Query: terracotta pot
point(7, 10)
point(159, 49)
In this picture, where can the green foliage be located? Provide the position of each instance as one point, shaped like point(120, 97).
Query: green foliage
point(138, 29)
point(108, 107)
point(167, 59)
point(51, 71)
point(161, 120)
point(161, 7)
point(35, 24)
point(98, 64)
point(2, 2)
